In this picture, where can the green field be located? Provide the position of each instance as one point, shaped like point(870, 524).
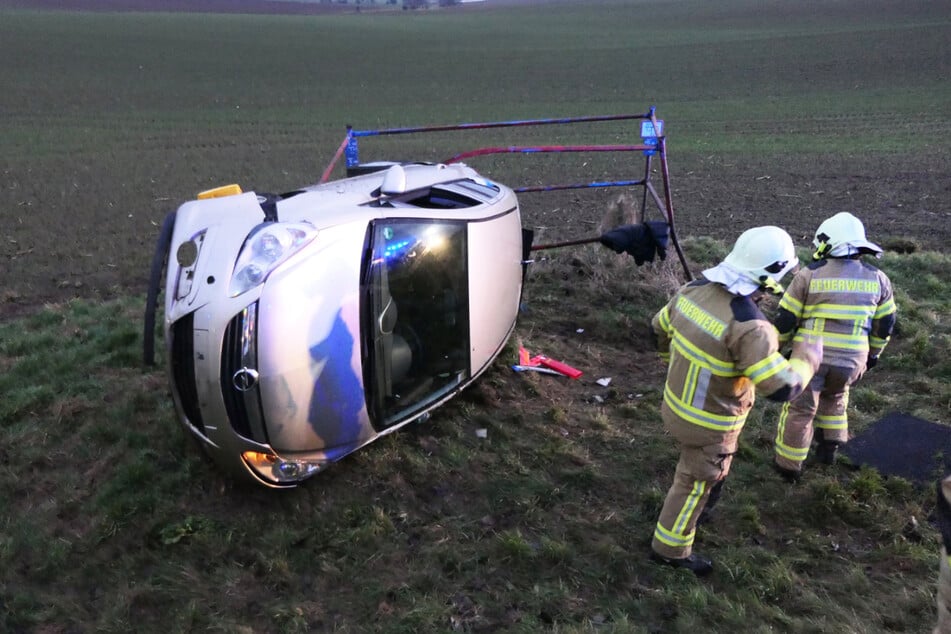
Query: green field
point(776, 113)
point(109, 121)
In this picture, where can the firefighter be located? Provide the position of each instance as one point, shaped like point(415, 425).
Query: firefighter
point(943, 513)
point(721, 349)
point(849, 304)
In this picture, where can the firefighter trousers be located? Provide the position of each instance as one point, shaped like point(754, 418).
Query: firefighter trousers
point(822, 405)
point(705, 458)
point(944, 595)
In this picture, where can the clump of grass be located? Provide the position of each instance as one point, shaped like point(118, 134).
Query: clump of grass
point(748, 517)
point(706, 251)
point(903, 245)
point(513, 546)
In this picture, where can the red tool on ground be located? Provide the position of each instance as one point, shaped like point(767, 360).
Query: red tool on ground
point(527, 361)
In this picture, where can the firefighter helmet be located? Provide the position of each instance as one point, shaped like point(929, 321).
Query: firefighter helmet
point(842, 235)
point(765, 255)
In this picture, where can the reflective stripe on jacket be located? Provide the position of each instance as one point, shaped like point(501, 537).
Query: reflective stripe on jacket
point(721, 348)
point(846, 302)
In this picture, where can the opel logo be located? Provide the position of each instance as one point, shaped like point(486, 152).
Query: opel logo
point(245, 379)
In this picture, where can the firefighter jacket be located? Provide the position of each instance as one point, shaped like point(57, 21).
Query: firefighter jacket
point(721, 349)
point(846, 302)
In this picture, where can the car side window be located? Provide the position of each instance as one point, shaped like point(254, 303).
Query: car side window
point(415, 316)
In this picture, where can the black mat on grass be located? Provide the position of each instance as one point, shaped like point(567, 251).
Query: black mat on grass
point(905, 446)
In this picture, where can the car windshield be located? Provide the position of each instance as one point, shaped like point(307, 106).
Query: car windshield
point(415, 315)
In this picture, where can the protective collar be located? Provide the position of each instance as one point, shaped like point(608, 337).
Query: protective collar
point(734, 280)
point(846, 249)
point(855, 248)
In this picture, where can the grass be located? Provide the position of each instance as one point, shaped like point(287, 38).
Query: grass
point(114, 521)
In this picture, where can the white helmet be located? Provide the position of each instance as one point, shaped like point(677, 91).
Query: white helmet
point(765, 255)
point(842, 235)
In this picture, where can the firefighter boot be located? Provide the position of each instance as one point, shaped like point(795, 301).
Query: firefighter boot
point(695, 563)
point(826, 451)
point(789, 475)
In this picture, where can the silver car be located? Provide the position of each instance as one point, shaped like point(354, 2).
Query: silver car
point(302, 327)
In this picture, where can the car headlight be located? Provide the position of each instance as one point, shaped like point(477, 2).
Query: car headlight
point(280, 470)
point(270, 245)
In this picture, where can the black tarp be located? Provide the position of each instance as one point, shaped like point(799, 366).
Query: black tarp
point(903, 445)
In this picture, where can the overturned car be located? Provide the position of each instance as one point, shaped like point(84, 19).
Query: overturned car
point(300, 327)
